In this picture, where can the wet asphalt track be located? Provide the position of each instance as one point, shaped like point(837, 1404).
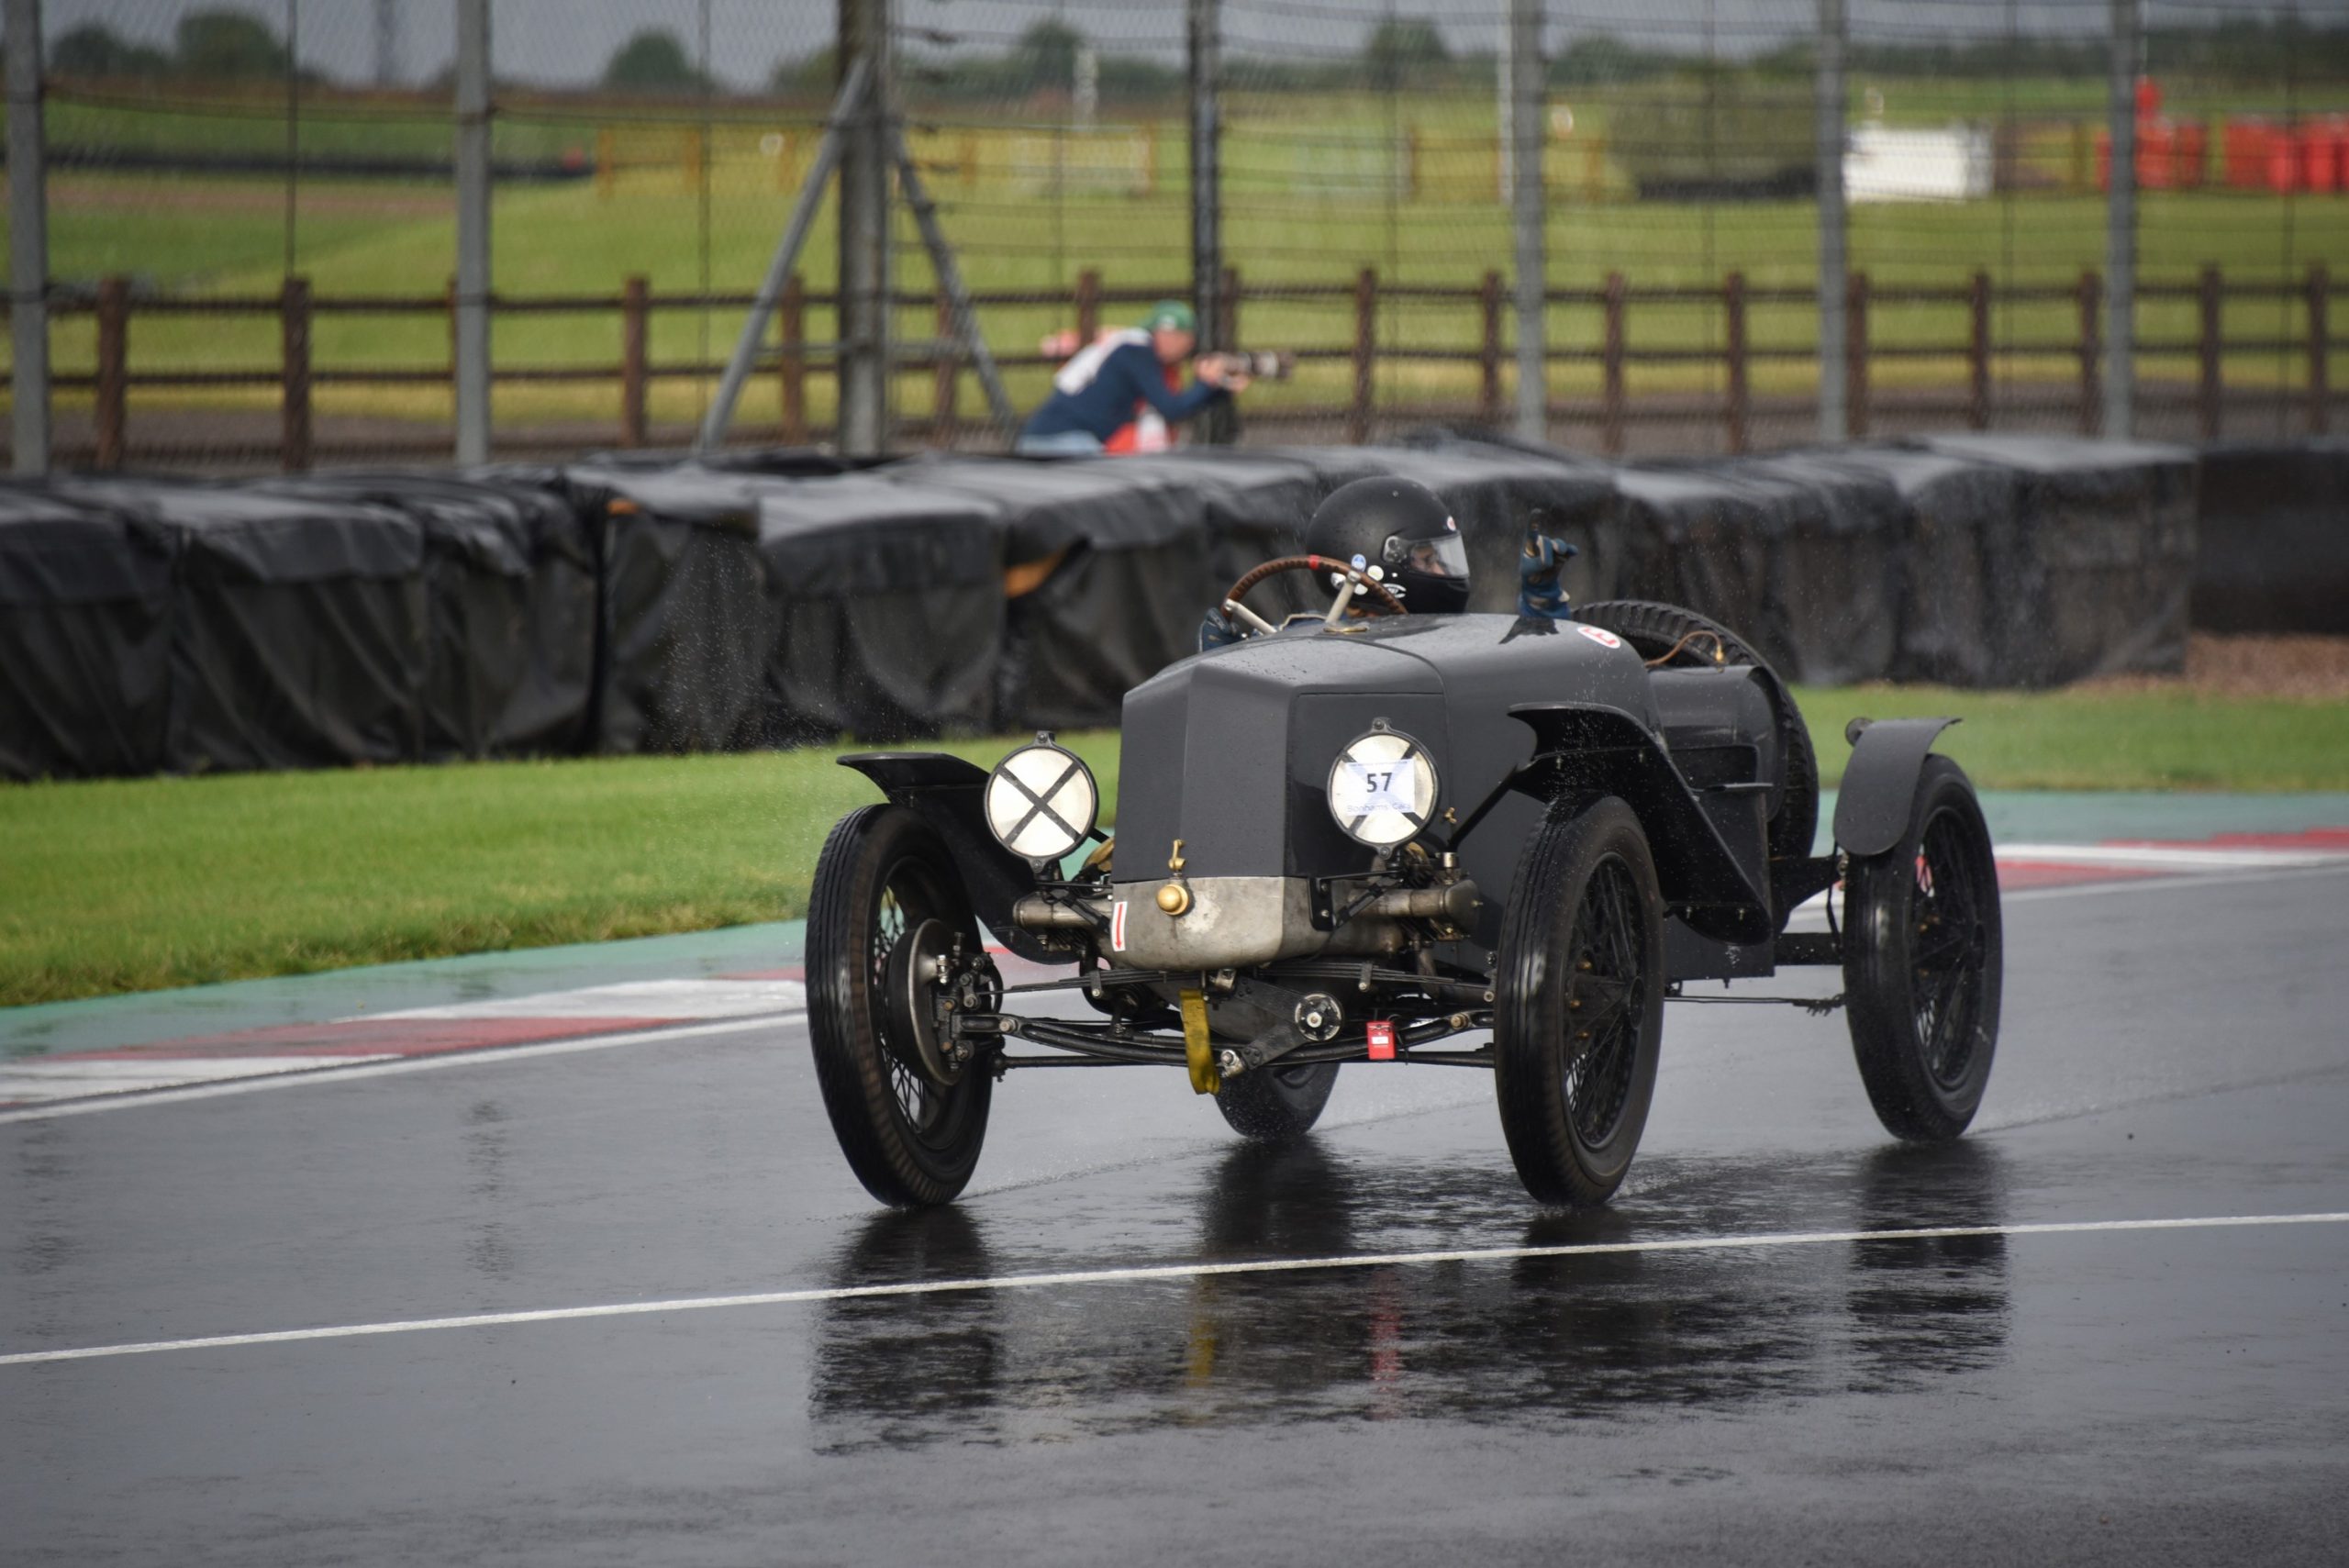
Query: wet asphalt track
point(2172, 1049)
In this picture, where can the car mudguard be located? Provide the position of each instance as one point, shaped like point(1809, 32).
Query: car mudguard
point(1880, 781)
point(946, 791)
point(1582, 748)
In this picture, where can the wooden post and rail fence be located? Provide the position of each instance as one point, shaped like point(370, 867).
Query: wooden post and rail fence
point(1733, 351)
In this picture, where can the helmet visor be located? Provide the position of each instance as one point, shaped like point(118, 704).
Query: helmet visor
point(1442, 556)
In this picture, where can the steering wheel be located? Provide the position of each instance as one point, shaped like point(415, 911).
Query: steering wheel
point(1365, 586)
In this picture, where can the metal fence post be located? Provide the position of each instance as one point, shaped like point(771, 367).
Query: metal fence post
point(471, 329)
point(1834, 421)
point(27, 242)
point(1204, 55)
point(2121, 228)
point(1527, 205)
point(864, 304)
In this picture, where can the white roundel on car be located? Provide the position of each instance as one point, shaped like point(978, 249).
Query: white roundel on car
point(1382, 788)
point(1041, 802)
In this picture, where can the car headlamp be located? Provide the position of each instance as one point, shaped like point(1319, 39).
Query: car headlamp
point(1041, 801)
point(1383, 788)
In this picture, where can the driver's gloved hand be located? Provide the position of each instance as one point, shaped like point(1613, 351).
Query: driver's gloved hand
point(1541, 571)
point(1215, 632)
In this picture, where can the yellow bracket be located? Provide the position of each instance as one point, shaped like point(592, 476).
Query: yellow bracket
point(1205, 1079)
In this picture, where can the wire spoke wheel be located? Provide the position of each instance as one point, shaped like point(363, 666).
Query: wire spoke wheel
point(1579, 1003)
point(1922, 962)
point(884, 878)
point(1605, 988)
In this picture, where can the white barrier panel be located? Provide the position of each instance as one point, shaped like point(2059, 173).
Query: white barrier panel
point(1882, 164)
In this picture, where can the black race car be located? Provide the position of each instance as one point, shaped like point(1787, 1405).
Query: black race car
point(1476, 841)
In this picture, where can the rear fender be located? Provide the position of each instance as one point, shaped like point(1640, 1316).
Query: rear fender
point(1880, 781)
point(1589, 749)
point(946, 791)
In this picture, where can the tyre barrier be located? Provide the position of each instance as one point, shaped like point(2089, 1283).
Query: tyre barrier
point(626, 603)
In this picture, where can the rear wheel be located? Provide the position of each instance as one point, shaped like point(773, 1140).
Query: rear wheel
point(887, 901)
point(1579, 1019)
point(1657, 631)
point(1923, 958)
point(1275, 1104)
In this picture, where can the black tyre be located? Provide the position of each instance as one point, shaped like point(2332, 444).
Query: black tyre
point(1276, 1103)
point(1578, 1016)
point(882, 877)
point(1923, 953)
point(1656, 630)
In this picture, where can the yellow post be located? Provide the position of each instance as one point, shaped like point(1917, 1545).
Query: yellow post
point(1198, 1050)
point(696, 157)
point(970, 160)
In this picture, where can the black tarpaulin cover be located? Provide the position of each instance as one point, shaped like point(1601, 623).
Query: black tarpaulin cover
point(85, 601)
point(2094, 570)
point(1951, 623)
point(683, 619)
point(298, 624)
point(1834, 585)
point(2274, 553)
point(1125, 543)
point(1797, 556)
point(510, 593)
point(886, 600)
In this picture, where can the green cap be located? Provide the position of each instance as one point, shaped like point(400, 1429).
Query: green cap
point(1171, 316)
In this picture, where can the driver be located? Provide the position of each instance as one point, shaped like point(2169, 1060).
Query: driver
point(1398, 533)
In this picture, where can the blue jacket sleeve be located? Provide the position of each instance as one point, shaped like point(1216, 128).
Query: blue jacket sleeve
point(1138, 367)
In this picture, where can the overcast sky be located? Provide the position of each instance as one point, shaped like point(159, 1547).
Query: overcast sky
point(568, 41)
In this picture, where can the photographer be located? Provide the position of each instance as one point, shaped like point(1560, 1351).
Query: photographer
point(1123, 390)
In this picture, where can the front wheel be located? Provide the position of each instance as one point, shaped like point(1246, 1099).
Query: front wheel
point(1276, 1103)
point(1579, 1019)
point(886, 906)
point(1923, 954)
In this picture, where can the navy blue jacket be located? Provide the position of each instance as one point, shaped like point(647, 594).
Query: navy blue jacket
point(1128, 373)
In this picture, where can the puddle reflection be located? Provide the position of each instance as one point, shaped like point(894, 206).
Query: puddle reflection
point(1530, 1341)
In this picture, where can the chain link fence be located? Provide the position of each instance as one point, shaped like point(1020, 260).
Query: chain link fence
point(251, 215)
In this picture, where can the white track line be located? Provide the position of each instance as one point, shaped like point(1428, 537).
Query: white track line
point(336, 1074)
point(1166, 1272)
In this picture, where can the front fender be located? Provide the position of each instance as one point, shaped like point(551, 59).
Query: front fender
point(1880, 781)
point(945, 792)
point(1588, 748)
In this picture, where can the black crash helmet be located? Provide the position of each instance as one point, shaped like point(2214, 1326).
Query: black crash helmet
point(1401, 533)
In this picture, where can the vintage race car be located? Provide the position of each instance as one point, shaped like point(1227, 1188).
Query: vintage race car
point(1475, 840)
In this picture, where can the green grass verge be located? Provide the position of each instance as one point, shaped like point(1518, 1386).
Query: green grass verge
point(140, 884)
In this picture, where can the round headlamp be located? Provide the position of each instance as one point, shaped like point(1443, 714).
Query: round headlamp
point(1383, 788)
point(1041, 802)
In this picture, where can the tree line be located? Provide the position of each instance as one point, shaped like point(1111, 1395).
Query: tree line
point(1397, 54)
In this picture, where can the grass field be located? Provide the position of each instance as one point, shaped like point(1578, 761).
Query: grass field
point(138, 884)
point(1292, 216)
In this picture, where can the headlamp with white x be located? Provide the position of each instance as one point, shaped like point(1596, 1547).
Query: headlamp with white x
point(1041, 801)
point(1383, 788)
